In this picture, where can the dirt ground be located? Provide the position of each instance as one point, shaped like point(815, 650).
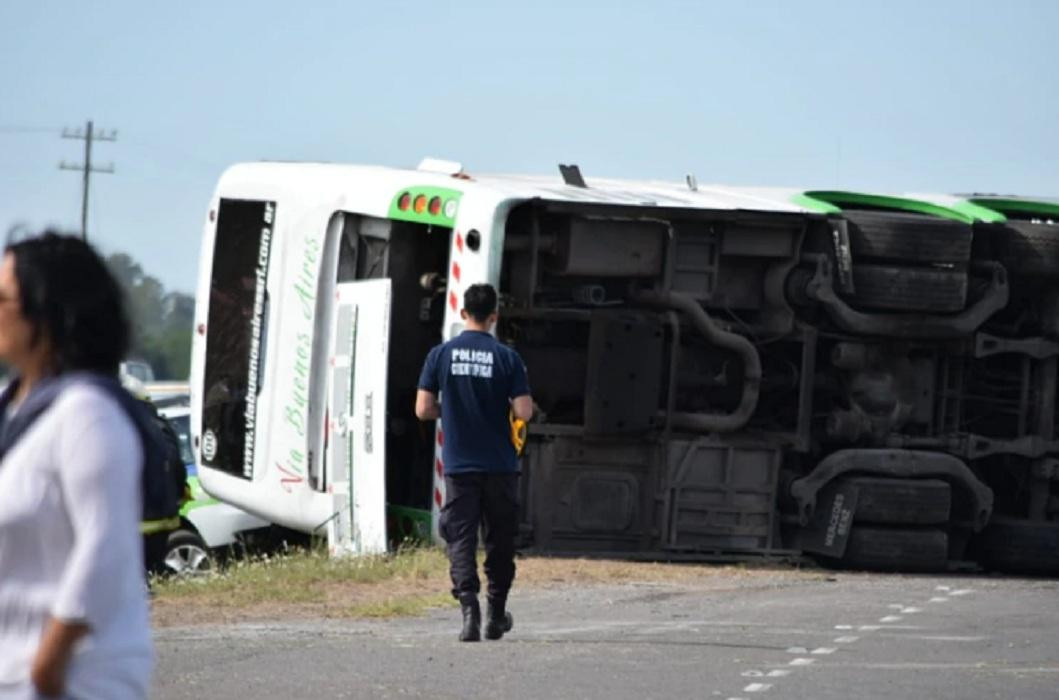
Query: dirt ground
point(410, 596)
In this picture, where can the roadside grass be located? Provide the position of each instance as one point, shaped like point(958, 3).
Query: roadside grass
point(307, 583)
point(408, 606)
point(298, 576)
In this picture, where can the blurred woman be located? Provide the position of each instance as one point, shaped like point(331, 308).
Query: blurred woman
point(73, 610)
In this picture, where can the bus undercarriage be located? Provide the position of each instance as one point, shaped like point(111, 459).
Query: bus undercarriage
point(874, 388)
point(870, 385)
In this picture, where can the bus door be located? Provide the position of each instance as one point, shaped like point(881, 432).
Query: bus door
point(356, 427)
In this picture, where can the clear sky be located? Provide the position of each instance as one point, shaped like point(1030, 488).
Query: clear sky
point(893, 96)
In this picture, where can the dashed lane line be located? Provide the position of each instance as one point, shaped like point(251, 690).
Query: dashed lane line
point(805, 657)
point(757, 688)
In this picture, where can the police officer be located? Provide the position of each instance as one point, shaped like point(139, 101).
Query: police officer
point(482, 384)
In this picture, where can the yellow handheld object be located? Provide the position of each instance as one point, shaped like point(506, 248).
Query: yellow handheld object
point(518, 432)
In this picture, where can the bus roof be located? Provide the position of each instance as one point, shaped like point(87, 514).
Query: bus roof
point(329, 180)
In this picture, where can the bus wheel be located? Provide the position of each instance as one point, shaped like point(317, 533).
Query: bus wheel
point(887, 501)
point(1019, 547)
point(895, 549)
point(912, 238)
point(909, 288)
point(1027, 248)
point(186, 554)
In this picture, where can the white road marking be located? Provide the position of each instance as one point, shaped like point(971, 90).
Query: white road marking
point(849, 639)
point(946, 638)
point(974, 666)
point(757, 687)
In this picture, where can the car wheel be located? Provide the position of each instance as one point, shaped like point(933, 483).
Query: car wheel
point(186, 554)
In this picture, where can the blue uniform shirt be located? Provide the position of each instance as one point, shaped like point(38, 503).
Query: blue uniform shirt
point(477, 376)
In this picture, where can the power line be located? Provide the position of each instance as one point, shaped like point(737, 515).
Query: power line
point(88, 136)
point(11, 129)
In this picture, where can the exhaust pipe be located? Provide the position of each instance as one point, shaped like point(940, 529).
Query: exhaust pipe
point(710, 422)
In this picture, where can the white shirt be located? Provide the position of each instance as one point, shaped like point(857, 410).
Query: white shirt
point(70, 547)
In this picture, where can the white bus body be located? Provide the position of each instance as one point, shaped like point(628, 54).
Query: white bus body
point(269, 300)
point(719, 370)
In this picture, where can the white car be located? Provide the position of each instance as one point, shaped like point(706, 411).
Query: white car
point(207, 525)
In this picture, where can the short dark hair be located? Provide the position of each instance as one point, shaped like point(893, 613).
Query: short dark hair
point(67, 293)
point(480, 301)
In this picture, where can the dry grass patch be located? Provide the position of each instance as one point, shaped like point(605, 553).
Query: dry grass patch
point(306, 584)
point(309, 584)
point(550, 572)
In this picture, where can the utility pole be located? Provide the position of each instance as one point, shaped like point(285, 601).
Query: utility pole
point(88, 136)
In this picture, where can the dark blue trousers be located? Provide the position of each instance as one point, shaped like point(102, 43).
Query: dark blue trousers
point(490, 501)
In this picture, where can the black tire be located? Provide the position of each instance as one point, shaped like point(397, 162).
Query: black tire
point(1019, 547)
point(884, 501)
point(1026, 248)
point(893, 549)
point(908, 237)
point(186, 554)
point(913, 289)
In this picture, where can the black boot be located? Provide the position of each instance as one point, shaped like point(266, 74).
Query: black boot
point(472, 619)
point(497, 620)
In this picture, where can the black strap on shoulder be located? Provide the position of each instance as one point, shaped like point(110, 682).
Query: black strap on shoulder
point(40, 398)
point(161, 498)
point(44, 394)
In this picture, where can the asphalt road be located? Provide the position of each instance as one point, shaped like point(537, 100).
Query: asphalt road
point(855, 636)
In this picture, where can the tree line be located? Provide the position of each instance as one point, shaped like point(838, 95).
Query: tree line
point(161, 321)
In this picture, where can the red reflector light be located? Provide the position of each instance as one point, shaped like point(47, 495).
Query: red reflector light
point(420, 204)
point(435, 206)
point(403, 201)
point(202, 329)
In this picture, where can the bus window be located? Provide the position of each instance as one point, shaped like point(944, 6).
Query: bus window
point(235, 334)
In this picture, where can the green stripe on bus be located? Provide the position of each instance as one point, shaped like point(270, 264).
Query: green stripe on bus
point(1017, 206)
point(878, 201)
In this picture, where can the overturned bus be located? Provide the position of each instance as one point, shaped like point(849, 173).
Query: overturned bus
point(719, 371)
